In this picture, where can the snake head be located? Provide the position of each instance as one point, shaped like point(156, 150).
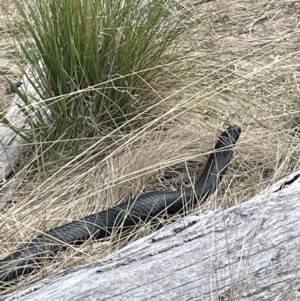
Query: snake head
point(233, 132)
point(229, 137)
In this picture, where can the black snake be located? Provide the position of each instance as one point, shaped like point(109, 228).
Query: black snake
point(99, 225)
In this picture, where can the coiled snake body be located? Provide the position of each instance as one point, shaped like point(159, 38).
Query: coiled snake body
point(147, 206)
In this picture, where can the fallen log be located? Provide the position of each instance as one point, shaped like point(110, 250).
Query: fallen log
point(246, 252)
point(13, 147)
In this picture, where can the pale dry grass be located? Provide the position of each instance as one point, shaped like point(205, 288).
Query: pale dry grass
point(246, 72)
point(9, 66)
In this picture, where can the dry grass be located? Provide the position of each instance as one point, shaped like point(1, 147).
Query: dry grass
point(246, 72)
point(8, 55)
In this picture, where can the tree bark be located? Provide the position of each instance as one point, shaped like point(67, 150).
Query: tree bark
point(246, 252)
point(12, 146)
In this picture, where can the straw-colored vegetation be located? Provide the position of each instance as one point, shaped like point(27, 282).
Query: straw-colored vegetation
point(144, 117)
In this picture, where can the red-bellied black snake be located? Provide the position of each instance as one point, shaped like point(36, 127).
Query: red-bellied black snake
point(99, 225)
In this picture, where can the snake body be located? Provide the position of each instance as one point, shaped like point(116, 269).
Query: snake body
point(99, 225)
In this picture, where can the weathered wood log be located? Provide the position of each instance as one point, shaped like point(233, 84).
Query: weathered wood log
point(247, 252)
point(12, 146)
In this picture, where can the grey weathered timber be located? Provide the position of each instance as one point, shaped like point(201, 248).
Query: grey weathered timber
point(12, 146)
point(246, 252)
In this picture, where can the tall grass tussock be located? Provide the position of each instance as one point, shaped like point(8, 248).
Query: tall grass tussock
point(99, 62)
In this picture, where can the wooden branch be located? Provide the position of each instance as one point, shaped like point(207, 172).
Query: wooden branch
point(12, 146)
point(247, 252)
